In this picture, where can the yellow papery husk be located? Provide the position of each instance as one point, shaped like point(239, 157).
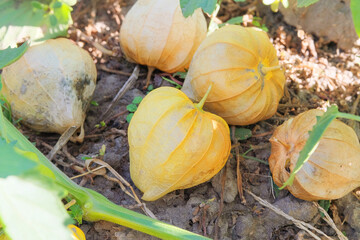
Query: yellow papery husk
point(156, 34)
point(50, 87)
point(331, 172)
point(174, 144)
point(242, 64)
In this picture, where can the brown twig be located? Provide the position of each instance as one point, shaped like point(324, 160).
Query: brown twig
point(98, 46)
point(106, 69)
point(116, 116)
point(300, 224)
point(64, 138)
point(71, 157)
point(113, 131)
point(90, 171)
point(238, 173)
point(331, 223)
point(223, 180)
point(171, 77)
point(120, 179)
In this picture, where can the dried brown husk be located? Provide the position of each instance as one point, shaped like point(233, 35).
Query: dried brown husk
point(50, 87)
point(333, 169)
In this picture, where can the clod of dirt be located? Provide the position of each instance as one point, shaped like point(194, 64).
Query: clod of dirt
point(334, 15)
point(230, 190)
point(263, 227)
point(298, 209)
point(350, 207)
point(250, 227)
point(108, 87)
point(130, 95)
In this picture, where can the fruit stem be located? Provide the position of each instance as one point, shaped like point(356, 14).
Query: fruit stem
point(265, 70)
point(148, 77)
point(202, 101)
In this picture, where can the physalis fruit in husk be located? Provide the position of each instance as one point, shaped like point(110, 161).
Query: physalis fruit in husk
point(174, 144)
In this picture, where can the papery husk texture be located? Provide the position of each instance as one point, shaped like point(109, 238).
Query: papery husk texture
point(156, 34)
point(243, 66)
point(173, 144)
point(50, 87)
point(333, 169)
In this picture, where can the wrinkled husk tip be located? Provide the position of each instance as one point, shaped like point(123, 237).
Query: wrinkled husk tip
point(79, 138)
point(150, 196)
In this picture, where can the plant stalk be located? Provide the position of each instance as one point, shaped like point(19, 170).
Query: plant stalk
point(94, 205)
point(203, 100)
point(348, 116)
point(265, 70)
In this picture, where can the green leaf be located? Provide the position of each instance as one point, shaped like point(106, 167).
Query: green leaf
point(10, 55)
point(129, 117)
point(5, 106)
point(242, 133)
point(94, 103)
point(102, 150)
point(150, 87)
point(239, 0)
point(53, 20)
point(75, 211)
point(306, 3)
point(38, 5)
point(314, 137)
point(57, 4)
point(181, 75)
point(235, 20)
point(325, 204)
point(276, 189)
point(189, 6)
point(264, 28)
point(178, 86)
point(137, 100)
point(19, 20)
point(36, 210)
point(131, 107)
point(355, 12)
point(12, 162)
point(103, 124)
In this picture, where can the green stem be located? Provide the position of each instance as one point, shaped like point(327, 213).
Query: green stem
point(212, 24)
point(348, 116)
point(265, 70)
point(254, 158)
point(110, 212)
point(94, 205)
point(202, 101)
point(249, 150)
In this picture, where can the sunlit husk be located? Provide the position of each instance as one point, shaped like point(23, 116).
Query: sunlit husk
point(174, 145)
point(233, 58)
point(332, 171)
point(156, 34)
point(50, 87)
